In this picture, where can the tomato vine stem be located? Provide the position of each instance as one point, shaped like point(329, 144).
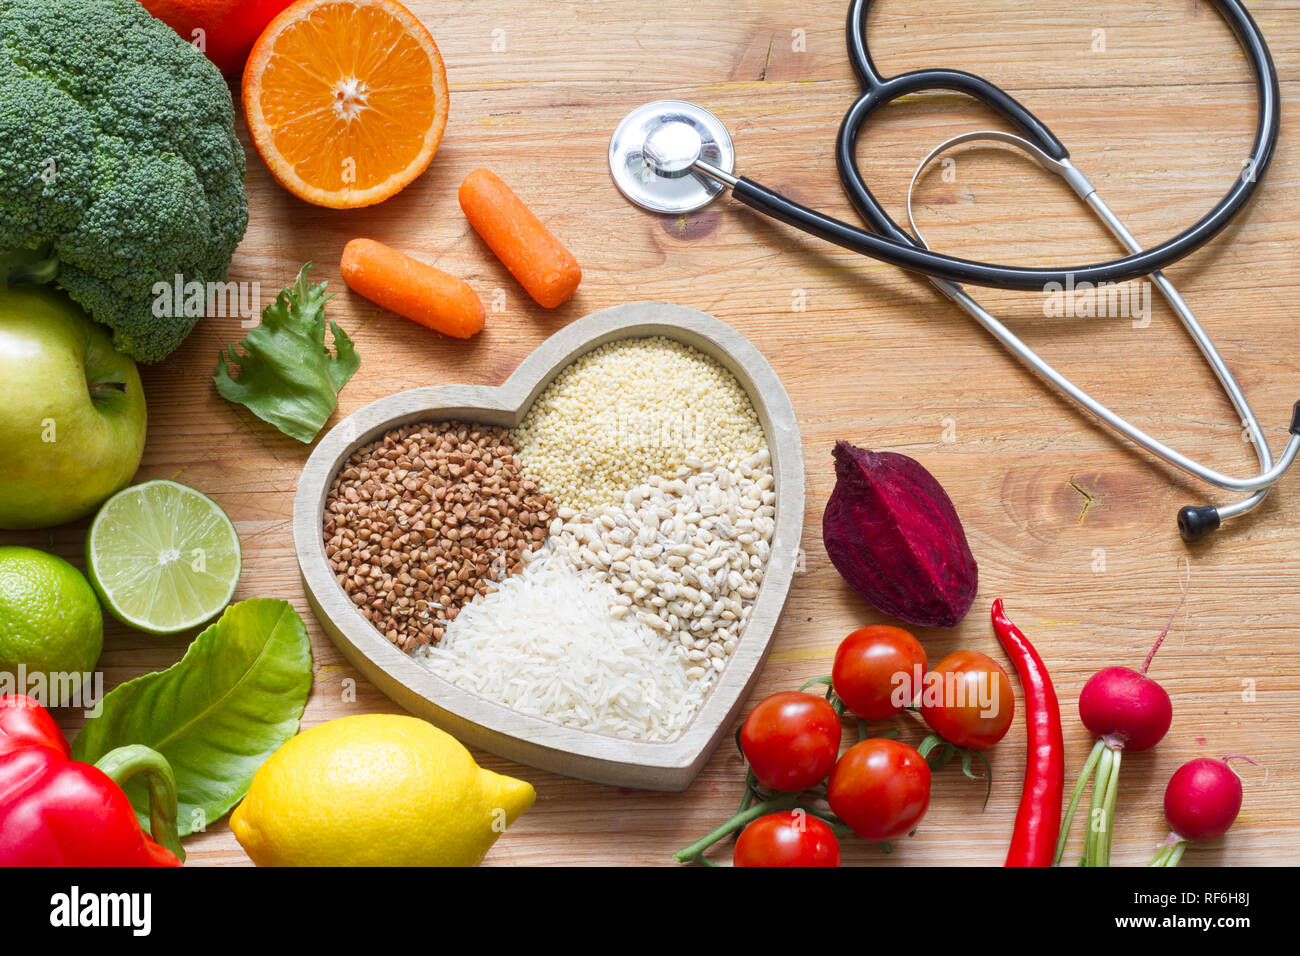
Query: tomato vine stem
point(695, 852)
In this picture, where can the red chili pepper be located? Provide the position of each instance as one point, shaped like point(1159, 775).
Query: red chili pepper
point(55, 811)
point(1038, 821)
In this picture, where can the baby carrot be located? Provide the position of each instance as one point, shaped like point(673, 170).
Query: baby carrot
point(547, 271)
point(412, 288)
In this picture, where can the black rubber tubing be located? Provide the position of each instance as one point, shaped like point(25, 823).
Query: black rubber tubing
point(891, 244)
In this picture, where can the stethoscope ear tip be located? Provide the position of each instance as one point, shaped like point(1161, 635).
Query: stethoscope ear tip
point(1195, 523)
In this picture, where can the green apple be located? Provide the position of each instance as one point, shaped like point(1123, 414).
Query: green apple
point(72, 410)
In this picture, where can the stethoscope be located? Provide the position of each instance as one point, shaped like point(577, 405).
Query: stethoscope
point(675, 157)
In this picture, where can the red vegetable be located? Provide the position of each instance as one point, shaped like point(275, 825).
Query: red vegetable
point(1203, 799)
point(791, 740)
point(878, 671)
point(892, 532)
point(880, 788)
point(1127, 707)
point(789, 838)
point(967, 700)
point(1038, 820)
point(1126, 710)
point(55, 811)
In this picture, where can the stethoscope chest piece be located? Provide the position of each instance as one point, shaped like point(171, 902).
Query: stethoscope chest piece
point(654, 149)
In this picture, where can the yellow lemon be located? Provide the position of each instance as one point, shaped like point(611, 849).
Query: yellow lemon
point(375, 790)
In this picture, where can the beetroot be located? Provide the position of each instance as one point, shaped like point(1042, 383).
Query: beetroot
point(894, 535)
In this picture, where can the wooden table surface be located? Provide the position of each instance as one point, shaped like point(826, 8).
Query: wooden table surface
point(1073, 528)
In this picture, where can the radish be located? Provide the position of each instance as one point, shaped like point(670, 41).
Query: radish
point(1202, 800)
point(1126, 710)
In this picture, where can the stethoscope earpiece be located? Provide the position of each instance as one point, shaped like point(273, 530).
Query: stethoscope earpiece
point(1194, 523)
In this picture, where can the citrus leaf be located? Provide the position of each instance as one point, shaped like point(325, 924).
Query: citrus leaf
point(233, 699)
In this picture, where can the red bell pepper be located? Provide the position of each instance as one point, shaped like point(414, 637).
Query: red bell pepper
point(55, 811)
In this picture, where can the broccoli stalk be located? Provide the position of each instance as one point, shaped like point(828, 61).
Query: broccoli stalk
point(40, 271)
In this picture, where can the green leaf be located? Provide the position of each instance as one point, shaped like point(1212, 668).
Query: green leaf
point(287, 376)
point(216, 715)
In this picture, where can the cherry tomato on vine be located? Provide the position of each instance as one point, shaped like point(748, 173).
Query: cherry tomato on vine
point(877, 670)
point(968, 700)
point(791, 740)
point(788, 838)
point(880, 788)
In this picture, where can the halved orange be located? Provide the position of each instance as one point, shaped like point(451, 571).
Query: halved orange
point(346, 100)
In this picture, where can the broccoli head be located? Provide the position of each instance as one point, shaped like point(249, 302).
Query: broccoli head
point(118, 161)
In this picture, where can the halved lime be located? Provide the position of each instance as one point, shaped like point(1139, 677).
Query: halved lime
point(163, 557)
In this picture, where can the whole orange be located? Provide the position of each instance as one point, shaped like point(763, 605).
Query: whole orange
point(223, 29)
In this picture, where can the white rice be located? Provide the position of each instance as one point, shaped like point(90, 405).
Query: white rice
point(545, 644)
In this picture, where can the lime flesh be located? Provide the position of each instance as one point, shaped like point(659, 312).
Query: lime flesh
point(163, 557)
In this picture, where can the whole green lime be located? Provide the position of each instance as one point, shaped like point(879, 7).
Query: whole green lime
point(50, 622)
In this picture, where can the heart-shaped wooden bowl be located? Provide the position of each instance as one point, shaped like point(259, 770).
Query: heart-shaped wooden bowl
point(604, 758)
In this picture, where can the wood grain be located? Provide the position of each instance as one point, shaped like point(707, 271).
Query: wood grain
point(1074, 529)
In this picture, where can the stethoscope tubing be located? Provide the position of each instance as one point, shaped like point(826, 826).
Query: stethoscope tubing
point(891, 244)
point(1085, 191)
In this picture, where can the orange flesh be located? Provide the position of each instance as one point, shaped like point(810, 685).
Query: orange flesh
point(348, 96)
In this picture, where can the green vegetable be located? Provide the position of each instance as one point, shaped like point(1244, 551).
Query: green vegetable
point(232, 701)
point(119, 162)
point(287, 375)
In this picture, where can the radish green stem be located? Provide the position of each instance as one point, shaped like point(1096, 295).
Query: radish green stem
point(1108, 809)
point(1170, 853)
point(1070, 811)
point(1096, 809)
point(1103, 767)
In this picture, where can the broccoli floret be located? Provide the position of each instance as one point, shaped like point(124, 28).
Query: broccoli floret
point(118, 157)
